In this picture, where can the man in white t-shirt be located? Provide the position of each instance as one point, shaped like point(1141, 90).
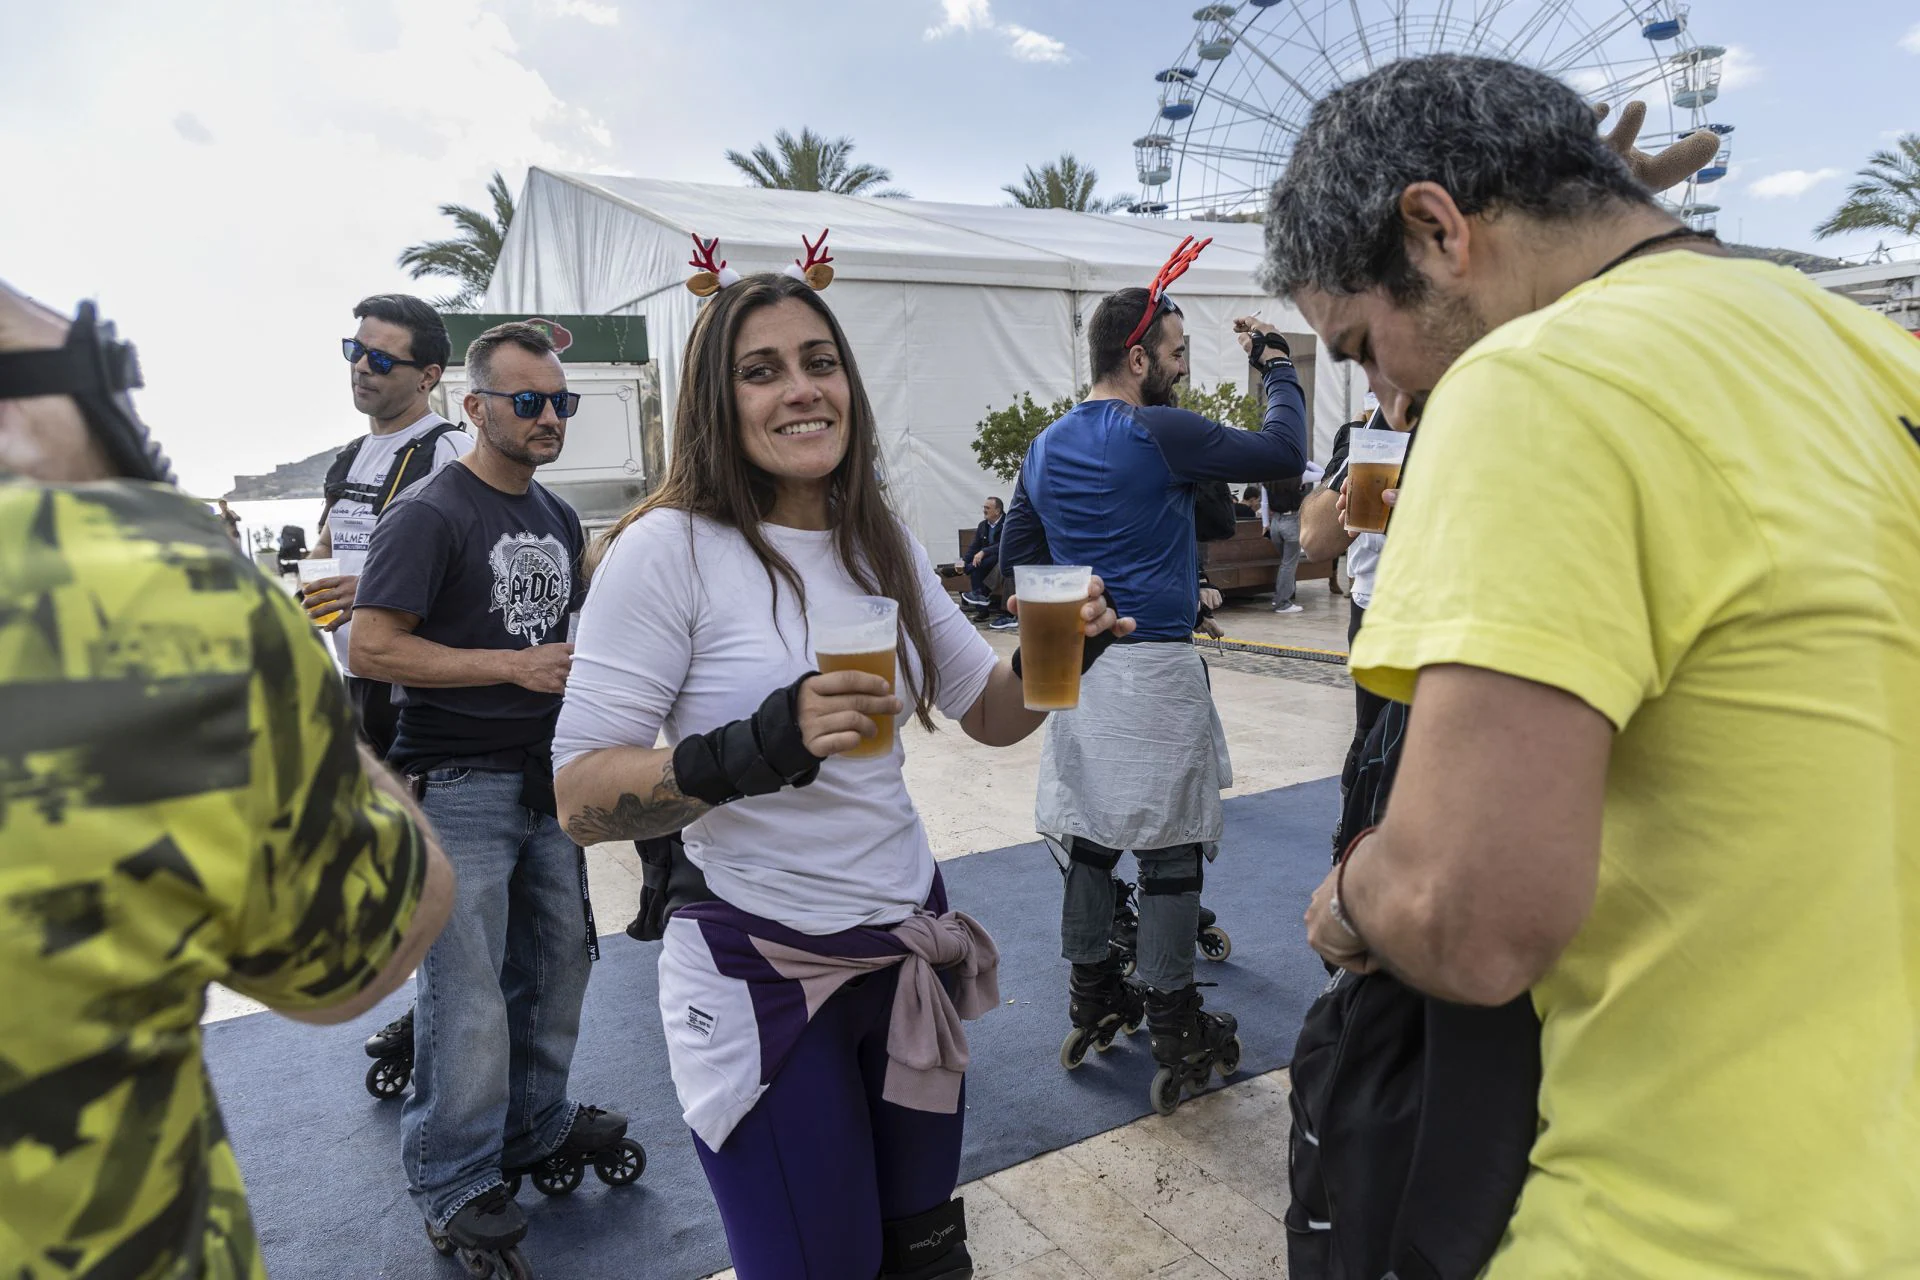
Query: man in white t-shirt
point(397, 355)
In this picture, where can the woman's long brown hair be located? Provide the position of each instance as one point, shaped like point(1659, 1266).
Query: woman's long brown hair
point(711, 476)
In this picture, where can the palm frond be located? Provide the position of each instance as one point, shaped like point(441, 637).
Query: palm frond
point(1885, 194)
point(470, 256)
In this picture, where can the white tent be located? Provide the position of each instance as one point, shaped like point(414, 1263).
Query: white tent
point(951, 309)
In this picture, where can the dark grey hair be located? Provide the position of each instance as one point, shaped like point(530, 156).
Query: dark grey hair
point(518, 333)
point(1498, 136)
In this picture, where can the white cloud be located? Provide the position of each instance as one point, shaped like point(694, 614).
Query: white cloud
point(188, 126)
point(1031, 46)
point(1911, 41)
point(963, 15)
point(327, 149)
point(1023, 43)
point(600, 15)
point(1738, 69)
point(1790, 184)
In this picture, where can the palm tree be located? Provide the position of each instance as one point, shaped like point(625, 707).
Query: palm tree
point(1886, 195)
point(1061, 184)
point(811, 163)
point(471, 255)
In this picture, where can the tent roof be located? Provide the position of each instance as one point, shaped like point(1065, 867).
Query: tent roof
point(926, 241)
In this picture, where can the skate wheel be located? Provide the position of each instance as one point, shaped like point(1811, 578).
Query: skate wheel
point(388, 1078)
point(1073, 1050)
point(558, 1177)
point(1229, 1060)
point(1215, 945)
point(442, 1245)
point(622, 1164)
point(1128, 963)
point(513, 1266)
point(1165, 1093)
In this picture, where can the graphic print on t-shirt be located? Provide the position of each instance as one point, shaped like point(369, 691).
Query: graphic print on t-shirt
point(532, 583)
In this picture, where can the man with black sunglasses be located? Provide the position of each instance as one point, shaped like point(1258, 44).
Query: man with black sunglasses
point(464, 605)
point(397, 355)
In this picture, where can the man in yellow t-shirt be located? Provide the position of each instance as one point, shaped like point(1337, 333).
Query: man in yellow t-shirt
point(1654, 594)
point(181, 802)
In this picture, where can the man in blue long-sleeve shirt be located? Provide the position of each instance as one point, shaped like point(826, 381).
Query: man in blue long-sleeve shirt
point(1140, 763)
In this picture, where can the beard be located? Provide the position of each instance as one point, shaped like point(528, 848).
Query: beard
point(1160, 385)
point(507, 443)
point(1448, 324)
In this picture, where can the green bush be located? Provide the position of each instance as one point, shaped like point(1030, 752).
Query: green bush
point(1226, 404)
point(1001, 438)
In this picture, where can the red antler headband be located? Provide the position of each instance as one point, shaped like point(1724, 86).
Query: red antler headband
point(1175, 267)
point(714, 274)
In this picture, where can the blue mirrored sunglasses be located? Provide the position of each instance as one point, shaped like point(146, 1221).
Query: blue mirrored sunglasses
point(527, 404)
point(378, 361)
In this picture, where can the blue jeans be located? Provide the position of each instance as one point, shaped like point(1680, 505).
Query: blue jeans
point(498, 995)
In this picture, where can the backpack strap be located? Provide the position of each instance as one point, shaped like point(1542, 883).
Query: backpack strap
point(414, 464)
point(336, 481)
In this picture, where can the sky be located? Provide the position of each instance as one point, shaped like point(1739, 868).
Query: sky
point(228, 177)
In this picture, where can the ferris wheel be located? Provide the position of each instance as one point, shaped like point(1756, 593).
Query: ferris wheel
point(1231, 104)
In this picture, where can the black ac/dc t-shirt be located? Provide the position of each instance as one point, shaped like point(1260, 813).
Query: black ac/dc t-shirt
point(481, 569)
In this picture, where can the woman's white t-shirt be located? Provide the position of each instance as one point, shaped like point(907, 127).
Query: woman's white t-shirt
point(679, 632)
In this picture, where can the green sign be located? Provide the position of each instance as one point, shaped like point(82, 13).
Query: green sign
point(581, 339)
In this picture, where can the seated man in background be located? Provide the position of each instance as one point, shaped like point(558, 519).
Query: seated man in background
point(981, 564)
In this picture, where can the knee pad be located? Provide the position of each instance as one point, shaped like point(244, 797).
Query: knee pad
point(1155, 881)
point(927, 1246)
point(1085, 851)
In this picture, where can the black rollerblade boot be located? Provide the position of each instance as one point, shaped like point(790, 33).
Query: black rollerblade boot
point(927, 1246)
point(596, 1137)
point(483, 1237)
point(1215, 945)
point(391, 1048)
point(1102, 1003)
point(1188, 1042)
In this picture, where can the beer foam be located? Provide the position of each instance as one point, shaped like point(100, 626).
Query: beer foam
point(876, 636)
point(865, 624)
point(1051, 583)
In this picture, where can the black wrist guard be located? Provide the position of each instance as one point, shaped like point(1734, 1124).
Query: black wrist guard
point(751, 757)
point(1094, 647)
point(1264, 342)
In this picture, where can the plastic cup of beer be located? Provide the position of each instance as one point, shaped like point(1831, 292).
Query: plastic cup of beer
point(1373, 467)
point(1053, 636)
point(313, 571)
point(859, 635)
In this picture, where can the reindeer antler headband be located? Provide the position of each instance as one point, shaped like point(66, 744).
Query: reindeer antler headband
point(1157, 301)
point(712, 276)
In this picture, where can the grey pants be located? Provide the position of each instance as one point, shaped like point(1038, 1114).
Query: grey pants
point(1169, 909)
point(1284, 530)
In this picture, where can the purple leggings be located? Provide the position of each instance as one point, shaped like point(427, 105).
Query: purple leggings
point(806, 1179)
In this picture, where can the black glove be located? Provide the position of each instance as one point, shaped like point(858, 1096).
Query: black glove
point(1094, 647)
point(752, 757)
point(1264, 342)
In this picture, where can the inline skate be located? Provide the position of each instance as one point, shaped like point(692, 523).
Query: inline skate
point(391, 1048)
point(596, 1137)
point(484, 1237)
point(1188, 1043)
point(1102, 1002)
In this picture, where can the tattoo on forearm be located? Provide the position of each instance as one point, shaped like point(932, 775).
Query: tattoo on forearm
point(663, 811)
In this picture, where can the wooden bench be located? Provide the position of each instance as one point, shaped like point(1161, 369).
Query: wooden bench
point(1240, 566)
point(1244, 565)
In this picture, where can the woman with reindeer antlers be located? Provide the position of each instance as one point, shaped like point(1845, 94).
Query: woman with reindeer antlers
point(812, 1005)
